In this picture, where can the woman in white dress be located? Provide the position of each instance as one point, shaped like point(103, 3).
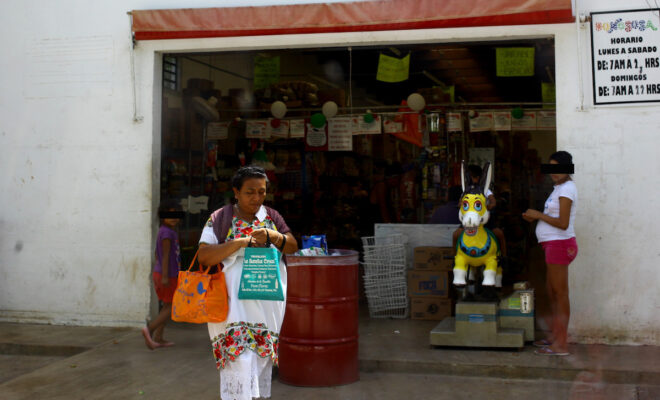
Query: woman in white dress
point(245, 345)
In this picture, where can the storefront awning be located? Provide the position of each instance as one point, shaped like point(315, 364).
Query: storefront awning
point(345, 17)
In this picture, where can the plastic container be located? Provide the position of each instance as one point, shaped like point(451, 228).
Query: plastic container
point(319, 335)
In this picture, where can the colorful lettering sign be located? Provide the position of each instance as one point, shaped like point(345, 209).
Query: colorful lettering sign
point(625, 56)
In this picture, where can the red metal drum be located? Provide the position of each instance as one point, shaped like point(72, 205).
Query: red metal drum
point(319, 335)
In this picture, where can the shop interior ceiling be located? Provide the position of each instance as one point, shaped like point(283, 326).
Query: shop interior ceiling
point(469, 67)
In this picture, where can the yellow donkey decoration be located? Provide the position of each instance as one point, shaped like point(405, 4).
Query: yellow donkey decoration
point(477, 245)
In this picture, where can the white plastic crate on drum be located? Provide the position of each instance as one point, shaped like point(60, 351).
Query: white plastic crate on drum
point(385, 276)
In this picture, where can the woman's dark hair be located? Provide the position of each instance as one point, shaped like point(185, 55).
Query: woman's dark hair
point(562, 157)
point(249, 172)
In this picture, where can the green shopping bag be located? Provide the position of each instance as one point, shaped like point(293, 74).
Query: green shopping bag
point(260, 278)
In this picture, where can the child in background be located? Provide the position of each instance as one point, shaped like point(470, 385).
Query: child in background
point(165, 273)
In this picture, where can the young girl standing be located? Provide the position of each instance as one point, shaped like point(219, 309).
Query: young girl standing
point(555, 232)
point(165, 273)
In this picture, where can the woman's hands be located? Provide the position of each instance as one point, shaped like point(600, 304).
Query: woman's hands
point(531, 215)
point(260, 236)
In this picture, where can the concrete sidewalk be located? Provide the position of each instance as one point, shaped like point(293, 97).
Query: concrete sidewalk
point(56, 362)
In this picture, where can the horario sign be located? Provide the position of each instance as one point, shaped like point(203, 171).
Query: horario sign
point(625, 51)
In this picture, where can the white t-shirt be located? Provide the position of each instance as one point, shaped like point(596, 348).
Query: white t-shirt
point(546, 232)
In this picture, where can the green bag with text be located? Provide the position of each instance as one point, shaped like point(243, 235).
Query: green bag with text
point(260, 278)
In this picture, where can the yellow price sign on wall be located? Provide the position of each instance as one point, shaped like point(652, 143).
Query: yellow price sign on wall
point(514, 61)
point(391, 69)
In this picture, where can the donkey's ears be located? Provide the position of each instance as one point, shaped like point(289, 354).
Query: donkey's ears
point(486, 177)
point(466, 181)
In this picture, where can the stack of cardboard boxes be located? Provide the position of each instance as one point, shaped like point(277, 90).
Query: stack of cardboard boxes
point(429, 283)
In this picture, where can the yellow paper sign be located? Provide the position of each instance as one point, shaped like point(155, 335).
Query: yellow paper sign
point(548, 94)
point(392, 69)
point(266, 71)
point(514, 61)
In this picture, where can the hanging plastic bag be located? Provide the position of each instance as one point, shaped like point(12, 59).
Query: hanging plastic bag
point(200, 297)
point(260, 278)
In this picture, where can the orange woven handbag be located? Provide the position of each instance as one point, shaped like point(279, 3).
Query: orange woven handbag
point(200, 297)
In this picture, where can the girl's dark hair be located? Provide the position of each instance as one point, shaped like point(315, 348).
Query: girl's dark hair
point(562, 157)
point(168, 205)
point(249, 172)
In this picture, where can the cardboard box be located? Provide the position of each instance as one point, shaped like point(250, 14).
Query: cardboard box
point(433, 258)
point(428, 283)
point(430, 308)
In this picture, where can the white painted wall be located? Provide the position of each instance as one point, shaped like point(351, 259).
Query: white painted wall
point(77, 190)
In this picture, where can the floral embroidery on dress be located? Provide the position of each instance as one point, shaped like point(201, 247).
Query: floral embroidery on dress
point(241, 336)
point(240, 228)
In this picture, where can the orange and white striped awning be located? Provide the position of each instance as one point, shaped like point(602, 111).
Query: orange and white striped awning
point(345, 17)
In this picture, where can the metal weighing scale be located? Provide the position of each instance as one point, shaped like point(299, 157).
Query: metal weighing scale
point(505, 323)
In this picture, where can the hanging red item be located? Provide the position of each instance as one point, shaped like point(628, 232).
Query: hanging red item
point(410, 122)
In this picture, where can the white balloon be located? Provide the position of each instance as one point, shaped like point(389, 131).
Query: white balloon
point(278, 109)
point(416, 102)
point(329, 109)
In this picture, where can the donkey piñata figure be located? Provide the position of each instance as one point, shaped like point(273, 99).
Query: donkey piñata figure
point(476, 245)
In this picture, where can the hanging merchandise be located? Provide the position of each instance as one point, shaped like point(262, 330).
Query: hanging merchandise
point(278, 109)
point(217, 130)
point(257, 129)
point(546, 120)
point(392, 123)
point(318, 120)
point(416, 102)
point(517, 113)
point(316, 138)
point(482, 121)
point(408, 194)
point(329, 109)
point(411, 131)
point(433, 122)
point(526, 122)
point(211, 154)
point(297, 128)
point(278, 128)
point(368, 124)
point(501, 121)
point(340, 135)
point(454, 122)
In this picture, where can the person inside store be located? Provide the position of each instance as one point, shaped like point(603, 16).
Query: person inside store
point(245, 345)
point(556, 234)
point(165, 272)
point(475, 174)
point(448, 212)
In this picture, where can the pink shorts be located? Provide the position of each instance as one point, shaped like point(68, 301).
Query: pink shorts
point(561, 252)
